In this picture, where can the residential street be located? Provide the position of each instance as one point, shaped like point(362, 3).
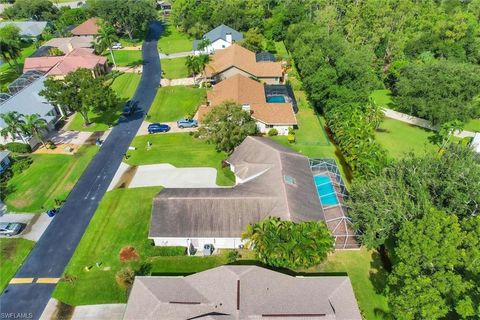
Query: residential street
point(53, 251)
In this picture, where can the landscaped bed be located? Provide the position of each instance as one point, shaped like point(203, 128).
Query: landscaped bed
point(174, 68)
point(12, 253)
point(180, 150)
point(172, 40)
point(173, 103)
point(49, 177)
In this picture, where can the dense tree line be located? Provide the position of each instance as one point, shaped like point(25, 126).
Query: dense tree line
point(426, 211)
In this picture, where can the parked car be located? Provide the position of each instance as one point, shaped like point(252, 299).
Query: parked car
point(187, 123)
point(130, 107)
point(117, 45)
point(158, 127)
point(11, 228)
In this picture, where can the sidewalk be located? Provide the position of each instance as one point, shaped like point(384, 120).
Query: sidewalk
point(177, 82)
point(175, 55)
point(421, 122)
point(137, 69)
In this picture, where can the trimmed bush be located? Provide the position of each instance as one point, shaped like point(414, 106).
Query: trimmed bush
point(170, 251)
point(21, 164)
point(291, 138)
point(18, 147)
point(272, 132)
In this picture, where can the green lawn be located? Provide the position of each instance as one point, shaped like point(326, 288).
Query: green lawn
point(9, 73)
point(172, 103)
point(12, 253)
point(473, 125)
point(383, 98)
point(50, 177)
point(367, 277)
point(121, 220)
point(174, 41)
point(174, 68)
point(180, 150)
point(124, 86)
point(126, 58)
point(400, 138)
point(281, 50)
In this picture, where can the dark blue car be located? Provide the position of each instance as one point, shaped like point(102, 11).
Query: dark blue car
point(158, 127)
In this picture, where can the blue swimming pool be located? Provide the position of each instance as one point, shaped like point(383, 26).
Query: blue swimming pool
point(325, 190)
point(276, 99)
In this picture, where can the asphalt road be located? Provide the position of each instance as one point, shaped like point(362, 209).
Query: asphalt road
point(53, 251)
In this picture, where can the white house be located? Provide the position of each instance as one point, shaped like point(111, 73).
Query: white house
point(476, 142)
point(219, 38)
point(271, 180)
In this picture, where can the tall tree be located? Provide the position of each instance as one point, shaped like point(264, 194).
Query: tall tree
point(33, 125)
point(104, 40)
point(13, 125)
point(253, 40)
point(10, 45)
point(80, 91)
point(27, 9)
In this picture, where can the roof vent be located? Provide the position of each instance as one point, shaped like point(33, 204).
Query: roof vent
point(290, 180)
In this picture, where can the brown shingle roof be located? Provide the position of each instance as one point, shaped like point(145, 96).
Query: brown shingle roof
point(225, 212)
point(247, 91)
point(237, 56)
point(87, 28)
point(242, 292)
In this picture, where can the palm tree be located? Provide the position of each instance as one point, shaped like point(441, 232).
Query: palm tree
point(33, 125)
point(13, 126)
point(104, 40)
point(202, 61)
point(192, 65)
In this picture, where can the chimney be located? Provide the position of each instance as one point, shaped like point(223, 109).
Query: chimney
point(228, 37)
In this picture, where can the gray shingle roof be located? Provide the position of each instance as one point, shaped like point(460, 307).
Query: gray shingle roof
point(28, 101)
point(242, 292)
point(4, 154)
point(27, 28)
point(221, 32)
point(225, 212)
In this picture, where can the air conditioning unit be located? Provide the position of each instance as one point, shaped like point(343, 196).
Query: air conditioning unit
point(208, 249)
point(246, 108)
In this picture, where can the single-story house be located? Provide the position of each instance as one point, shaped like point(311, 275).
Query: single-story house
point(28, 29)
point(242, 292)
point(4, 160)
point(269, 112)
point(475, 144)
point(164, 6)
point(28, 101)
point(271, 180)
point(219, 38)
point(67, 45)
point(60, 66)
point(238, 60)
point(87, 28)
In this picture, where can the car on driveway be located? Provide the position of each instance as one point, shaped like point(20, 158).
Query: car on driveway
point(158, 127)
point(187, 123)
point(117, 46)
point(11, 228)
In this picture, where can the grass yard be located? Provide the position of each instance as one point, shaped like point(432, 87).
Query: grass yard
point(9, 73)
point(124, 86)
point(174, 68)
point(367, 276)
point(400, 138)
point(281, 50)
point(181, 150)
point(383, 98)
point(50, 177)
point(121, 220)
point(126, 58)
point(473, 125)
point(175, 102)
point(173, 41)
point(12, 253)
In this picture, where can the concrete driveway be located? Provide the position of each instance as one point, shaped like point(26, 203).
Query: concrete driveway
point(70, 137)
point(143, 130)
point(164, 175)
point(36, 224)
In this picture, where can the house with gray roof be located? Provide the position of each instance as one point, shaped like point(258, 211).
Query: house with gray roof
point(242, 292)
point(28, 101)
point(28, 29)
point(219, 38)
point(4, 160)
point(271, 180)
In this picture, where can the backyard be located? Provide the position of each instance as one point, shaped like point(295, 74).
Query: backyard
point(180, 150)
point(174, 68)
point(126, 58)
point(9, 73)
point(122, 220)
point(172, 41)
point(49, 177)
point(175, 102)
point(12, 253)
point(124, 86)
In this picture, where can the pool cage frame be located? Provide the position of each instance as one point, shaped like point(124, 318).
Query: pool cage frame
point(336, 217)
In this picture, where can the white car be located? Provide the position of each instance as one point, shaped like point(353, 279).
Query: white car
point(117, 46)
point(11, 228)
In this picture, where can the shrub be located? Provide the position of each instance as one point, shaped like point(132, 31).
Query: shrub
point(233, 256)
point(50, 144)
point(21, 164)
point(272, 132)
point(171, 251)
point(291, 137)
point(18, 147)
